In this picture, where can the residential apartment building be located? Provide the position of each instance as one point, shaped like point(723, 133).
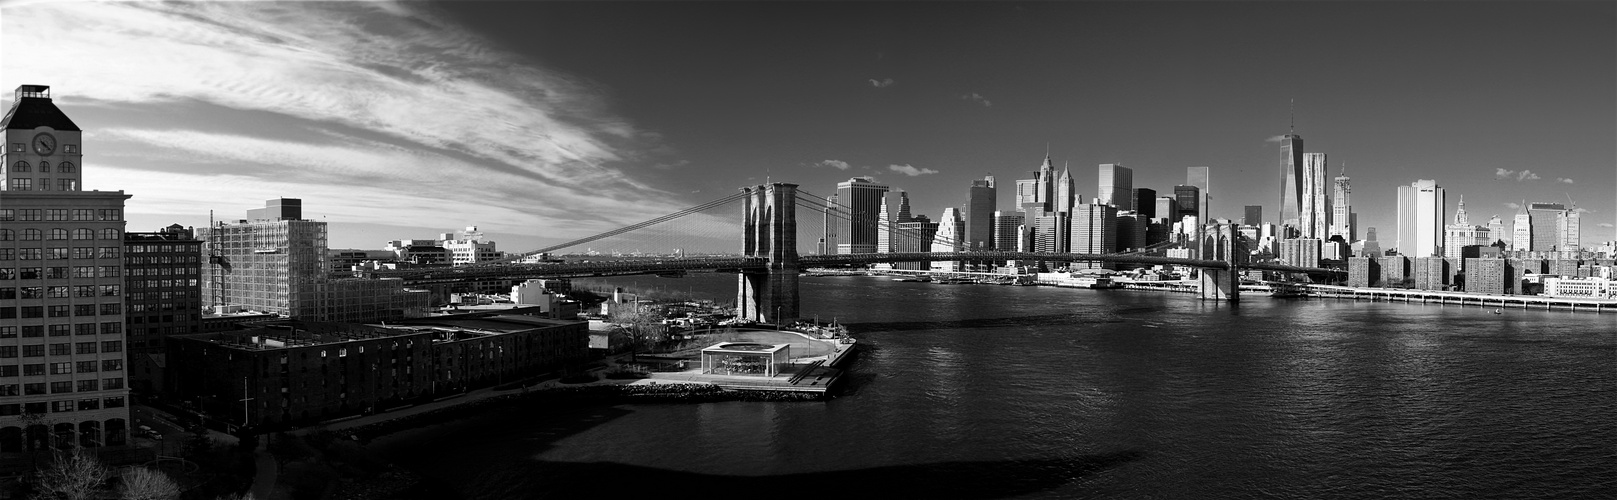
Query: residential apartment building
point(162, 297)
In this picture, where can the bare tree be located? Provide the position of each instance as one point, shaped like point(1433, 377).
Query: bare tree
point(72, 476)
point(141, 483)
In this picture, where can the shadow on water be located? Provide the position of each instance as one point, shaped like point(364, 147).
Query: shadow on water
point(963, 480)
point(1105, 315)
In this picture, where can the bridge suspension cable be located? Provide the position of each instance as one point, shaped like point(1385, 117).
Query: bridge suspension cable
point(632, 227)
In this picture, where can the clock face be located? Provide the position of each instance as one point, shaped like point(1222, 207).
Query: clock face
point(44, 144)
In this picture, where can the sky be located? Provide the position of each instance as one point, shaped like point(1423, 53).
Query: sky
point(546, 121)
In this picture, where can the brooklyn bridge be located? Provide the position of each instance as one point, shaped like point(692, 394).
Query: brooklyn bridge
point(769, 259)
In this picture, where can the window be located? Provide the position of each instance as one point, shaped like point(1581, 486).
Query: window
point(61, 406)
point(108, 384)
point(84, 328)
point(21, 166)
point(33, 311)
point(87, 385)
point(8, 351)
point(56, 273)
point(83, 234)
point(28, 214)
point(33, 351)
point(112, 327)
point(56, 213)
point(112, 346)
point(110, 252)
point(62, 368)
point(84, 271)
point(84, 348)
point(85, 366)
point(44, 184)
point(57, 234)
point(7, 214)
point(65, 167)
point(44, 166)
point(31, 234)
point(62, 387)
point(111, 234)
point(33, 370)
point(10, 390)
point(83, 290)
point(56, 311)
point(89, 404)
point(33, 331)
point(83, 214)
point(56, 292)
point(112, 214)
point(8, 312)
point(8, 371)
point(22, 184)
point(70, 148)
point(8, 332)
point(67, 185)
point(111, 309)
point(8, 253)
point(30, 253)
point(112, 365)
point(32, 292)
point(19, 147)
point(57, 253)
point(28, 273)
point(7, 234)
point(8, 293)
point(116, 402)
point(33, 390)
point(61, 349)
point(60, 330)
point(109, 272)
point(84, 309)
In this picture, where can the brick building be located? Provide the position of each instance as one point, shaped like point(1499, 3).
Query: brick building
point(162, 297)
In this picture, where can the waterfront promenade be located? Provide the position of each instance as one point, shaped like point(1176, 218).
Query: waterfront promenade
point(1488, 301)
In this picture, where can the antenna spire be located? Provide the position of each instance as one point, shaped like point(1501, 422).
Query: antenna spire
point(1294, 115)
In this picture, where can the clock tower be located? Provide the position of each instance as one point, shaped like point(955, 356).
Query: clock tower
point(42, 145)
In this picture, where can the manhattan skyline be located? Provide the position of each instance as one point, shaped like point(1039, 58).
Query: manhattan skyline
point(542, 122)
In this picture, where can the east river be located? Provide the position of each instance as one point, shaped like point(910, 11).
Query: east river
point(980, 391)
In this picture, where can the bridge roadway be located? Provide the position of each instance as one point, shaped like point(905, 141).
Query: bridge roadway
point(623, 267)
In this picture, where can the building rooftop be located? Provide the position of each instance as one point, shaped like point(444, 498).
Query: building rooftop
point(32, 108)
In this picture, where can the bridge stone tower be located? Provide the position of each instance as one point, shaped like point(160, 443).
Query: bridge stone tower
point(1221, 242)
point(769, 230)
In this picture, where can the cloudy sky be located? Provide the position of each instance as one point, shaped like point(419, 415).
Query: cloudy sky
point(541, 122)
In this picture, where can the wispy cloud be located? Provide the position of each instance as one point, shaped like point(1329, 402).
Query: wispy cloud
point(1277, 138)
point(977, 98)
point(1604, 224)
point(836, 164)
point(882, 83)
point(1523, 175)
point(910, 170)
point(1564, 180)
point(401, 96)
point(1513, 205)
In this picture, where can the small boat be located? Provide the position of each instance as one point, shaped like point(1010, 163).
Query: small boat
point(1499, 311)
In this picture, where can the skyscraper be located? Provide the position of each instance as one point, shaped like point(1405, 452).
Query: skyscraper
point(1199, 177)
point(856, 230)
point(1291, 173)
point(1496, 231)
point(1314, 221)
point(1007, 231)
point(1145, 202)
point(1044, 188)
point(1546, 225)
point(950, 237)
point(1570, 232)
point(833, 216)
point(1462, 233)
point(1342, 219)
point(1420, 219)
point(1116, 186)
point(1168, 208)
point(1065, 192)
point(914, 236)
point(981, 200)
point(1093, 231)
point(1188, 198)
point(1522, 230)
point(64, 318)
point(1254, 215)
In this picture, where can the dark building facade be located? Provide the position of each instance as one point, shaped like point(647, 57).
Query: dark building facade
point(1364, 272)
point(1487, 275)
point(1395, 271)
point(301, 372)
point(163, 297)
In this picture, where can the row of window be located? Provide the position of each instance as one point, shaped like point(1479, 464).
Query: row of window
point(11, 410)
point(165, 260)
point(166, 306)
point(61, 387)
point(30, 331)
point(22, 147)
point(61, 349)
point(161, 271)
point(165, 296)
point(65, 368)
point(58, 292)
point(60, 311)
point(59, 234)
point(61, 214)
point(58, 273)
point(22, 184)
point(65, 167)
point(58, 253)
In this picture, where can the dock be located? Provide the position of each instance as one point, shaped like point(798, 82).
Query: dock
point(813, 374)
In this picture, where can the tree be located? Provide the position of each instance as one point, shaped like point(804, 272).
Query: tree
point(72, 476)
point(141, 483)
